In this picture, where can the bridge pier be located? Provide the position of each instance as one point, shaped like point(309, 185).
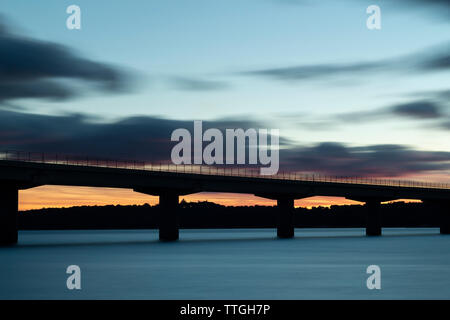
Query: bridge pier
point(9, 197)
point(285, 227)
point(441, 209)
point(168, 216)
point(373, 226)
point(445, 218)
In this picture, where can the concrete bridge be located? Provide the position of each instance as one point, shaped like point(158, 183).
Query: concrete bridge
point(24, 170)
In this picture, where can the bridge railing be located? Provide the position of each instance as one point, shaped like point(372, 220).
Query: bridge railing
point(73, 160)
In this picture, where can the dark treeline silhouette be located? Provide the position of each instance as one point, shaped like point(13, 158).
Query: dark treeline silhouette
point(211, 215)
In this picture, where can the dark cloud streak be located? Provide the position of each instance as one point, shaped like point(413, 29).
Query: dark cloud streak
point(30, 68)
point(139, 137)
point(422, 109)
point(370, 161)
point(191, 84)
point(148, 138)
point(419, 110)
point(297, 73)
point(432, 60)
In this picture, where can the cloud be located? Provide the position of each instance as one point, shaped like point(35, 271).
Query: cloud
point(433, 4)
point(42, 89)
point(430, 111)
point(305, 72)
point(437, 60)
point(337, 159)
point(442, 95)
point(437, 63)
point(418, 109)
point(31, 68)
point(422, 109)
point(137, 137)
point(191, 84)
point(445, 124)
point(148, 138)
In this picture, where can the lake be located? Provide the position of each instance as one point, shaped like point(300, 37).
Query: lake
point(227, 264)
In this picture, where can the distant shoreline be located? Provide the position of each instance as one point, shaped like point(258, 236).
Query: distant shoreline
point(208, 215)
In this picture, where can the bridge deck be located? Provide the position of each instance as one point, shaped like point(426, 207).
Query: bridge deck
point(223, 171)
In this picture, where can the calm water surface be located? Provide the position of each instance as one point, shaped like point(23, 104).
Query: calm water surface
point(227, 264)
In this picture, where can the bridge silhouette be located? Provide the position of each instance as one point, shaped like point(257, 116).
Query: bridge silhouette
point(23, 170)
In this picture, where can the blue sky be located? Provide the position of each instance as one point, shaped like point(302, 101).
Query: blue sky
point(203, 59)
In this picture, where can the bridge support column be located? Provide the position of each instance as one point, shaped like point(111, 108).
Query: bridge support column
point(285, 228)
point(373, 227)
point(168, 217)
point(445, 218)
point(441, 210)
point(9, 197)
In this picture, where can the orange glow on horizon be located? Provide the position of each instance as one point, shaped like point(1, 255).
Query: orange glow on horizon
point(68, 196)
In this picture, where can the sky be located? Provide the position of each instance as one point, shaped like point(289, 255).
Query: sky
point(347, 100)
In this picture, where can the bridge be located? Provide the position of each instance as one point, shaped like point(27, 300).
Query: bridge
point(24, 170)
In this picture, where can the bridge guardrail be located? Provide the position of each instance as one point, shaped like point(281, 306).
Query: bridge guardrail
point(53, 158)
